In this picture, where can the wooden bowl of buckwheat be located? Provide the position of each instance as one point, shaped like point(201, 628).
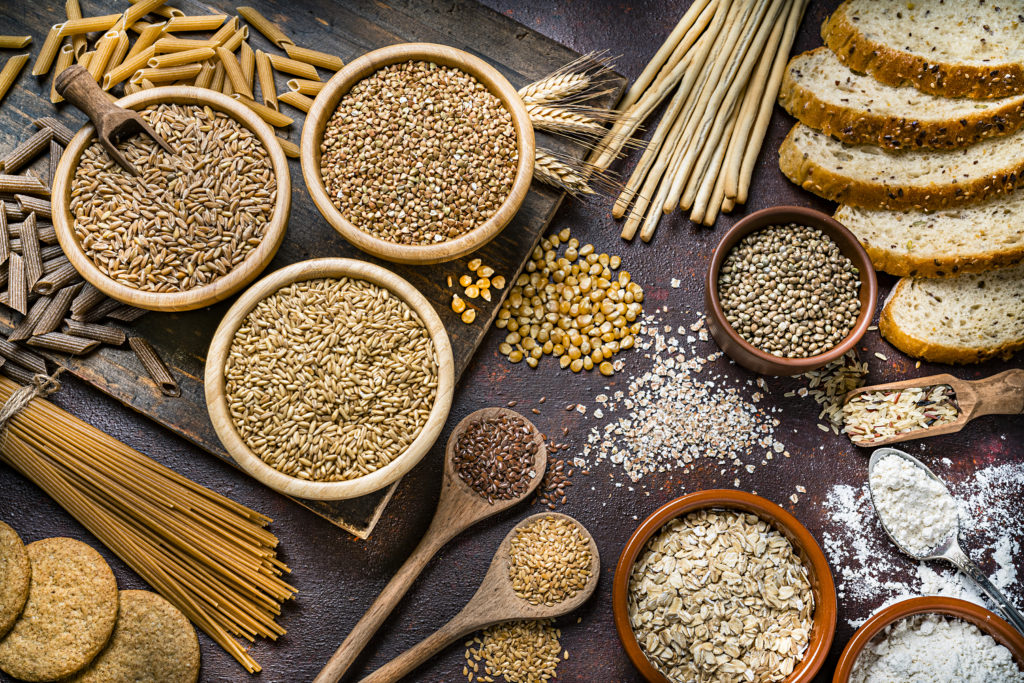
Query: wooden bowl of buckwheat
point(329, 379)
point(739, 550)
point(193, 227)
point(418, 153)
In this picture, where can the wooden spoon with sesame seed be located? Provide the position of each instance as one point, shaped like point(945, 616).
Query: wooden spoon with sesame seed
point(459, 508)
point(494, 602)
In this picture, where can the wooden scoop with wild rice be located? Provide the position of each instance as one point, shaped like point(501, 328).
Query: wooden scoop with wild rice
point(928, 406)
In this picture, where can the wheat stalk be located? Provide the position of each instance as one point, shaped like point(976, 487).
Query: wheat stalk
point(563, 121)
point(555, 87)
point(550, 170)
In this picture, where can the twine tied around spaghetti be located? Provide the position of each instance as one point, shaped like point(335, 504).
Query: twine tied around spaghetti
point(42, 385)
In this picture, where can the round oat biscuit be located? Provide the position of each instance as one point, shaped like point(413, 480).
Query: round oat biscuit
point(153, 642)
point(69, 616)
point(15, 571)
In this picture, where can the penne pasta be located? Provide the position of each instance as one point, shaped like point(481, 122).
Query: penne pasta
point(145, 84)
point(120, 52)
point(226, 88)
point(180, 58)
point(271, 116)
point(61, 133)
point(5, 235)
point(225, 31)
point(23, 330)
point(297, 100)
point(314, 57)
point(84, 59)
point(65, 58)
point(62, 276)
point(74, 27)
point(104, 50)
point(205, 75)
point(17, 291)
point(30, 251)
point(217, 79)
point(198, 22)
point(172, 44)
point(146, 39)
point(23, 184)
point(233, 72)
point(154, 366)
point(247, 60)
point(131, 88)
point(22, 155)
point(139, 9)
point(265, 75)
point(29, 359)
point(14, 42)
point(87, 299)
point(268, 28)
point(96, 313)
point(63, 343)
point(17, 373)
point(305, 86)
point(34, 205)
point(235, 39)
point(289, 148)
point(53, 265)
point(108, 334)
point(125, 313)
point(167, 75)
point(48, 52)
point(56, 151)
point(125, 69)
point(50, 320)
point(294, 67)
point(72, 10)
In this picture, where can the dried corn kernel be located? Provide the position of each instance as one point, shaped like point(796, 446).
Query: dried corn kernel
point(468, 316)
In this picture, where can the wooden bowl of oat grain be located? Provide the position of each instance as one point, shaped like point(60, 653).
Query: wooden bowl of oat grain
point(186, 255)
point(329, 379)
point(458, 182)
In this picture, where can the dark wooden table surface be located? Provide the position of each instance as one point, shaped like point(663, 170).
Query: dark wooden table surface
point(339, 576)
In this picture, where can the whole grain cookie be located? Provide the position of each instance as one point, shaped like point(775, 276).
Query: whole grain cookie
point(15, 571)
point(69, 616)
point(153, 642)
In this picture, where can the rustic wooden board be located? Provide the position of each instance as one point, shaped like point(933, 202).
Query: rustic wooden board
point(349, 30)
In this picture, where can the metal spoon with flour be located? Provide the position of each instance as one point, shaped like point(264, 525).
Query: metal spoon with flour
point(949, 549)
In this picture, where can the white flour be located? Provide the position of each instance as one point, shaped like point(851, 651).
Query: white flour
point(870, 572)
point(915, 508)
point(928, 648)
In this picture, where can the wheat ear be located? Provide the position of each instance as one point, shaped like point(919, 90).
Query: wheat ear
point(551, 171)
point(563, 121)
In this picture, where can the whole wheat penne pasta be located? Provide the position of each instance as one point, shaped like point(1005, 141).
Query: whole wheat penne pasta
point(87, 299)
point(289, 148)
point(305, 86)
point(154, 366)
point(104, 50)
point(120, 51)
point(167, 75)
point(55, 154)
point(17, 373)
point(297, 100)
point(125, 69)
point(5, 235)
point(63, 343)
point(9, 74)
point(61, 133)
point(30, 251)
point(179, 58)
point(17, 290)
point(14, 42)
point(265, 26)
point(85, 58)
point(265, 75)
point(96, 313)
point(26, 152)
point(64, 275)
point(271, 116)
point(140, 26)
point(65, 58)
point(314, 57)
point(47, 234)
point(226, 30)
point(54, 264)
point(294, 67)
point(170, 44)
point(247, 60)
point(74, 27)
point(226, 87)
point(48, 52)
point(140, 9)
point(108, 334)
point(34, 205)
point(23, 330)
point(233, 71)
point(23, 184)
point(50, 320)
point(217, 80)
point(146, 39)
point(50, 251)
point(73, 10)
point(196, 22)
point(126, 313)
point(235, 39)
point(29, 359)
point(13, 213)
point(204, 76)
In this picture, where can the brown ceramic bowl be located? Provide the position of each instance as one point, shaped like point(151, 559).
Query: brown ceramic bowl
point(754, 358)
point(989, 623)
point(824, 624)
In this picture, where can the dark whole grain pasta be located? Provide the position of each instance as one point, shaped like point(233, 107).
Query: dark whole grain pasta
point(62, 276)
point(108, 334)
point(23, 184)
point(126, 314)
point(29, 359)
point(36, 205)
point(17, 288)
point(51, 265)
point(30, 251)
point(97, 312)
point(61, 133)
point(154, 366)
point(55, 311)
point(63, 343)
point(86, 299)
point(12, 212)
point(18, 373)
point(5, 235)
point(25, 153)
point(23, 330)
point(50, 251)
point(55, 153)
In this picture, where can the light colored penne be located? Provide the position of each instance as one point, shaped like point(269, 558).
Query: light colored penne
point(294, 67)
point(51, 46)
point(224, 32)
point(234, 73)
point(170, 44)
point(197, 22)
point(120, 51)
point(73, 10)
point(265, 26)
point(104, 50)
point(290, 149)
point(125, 69)
point(14, 42)
point(271, 116)
point(205, 75)
point(265, 73)
point(9, 74)
point(65, 58)
point(297, 100)
point(161, 10)
point(179, 58)
point(247, 60)
point(314, 57)
point(75, 27)
point(217, 80)
point(235, 39)
point(84, 59)
point(140, 9)
point(305, 86)
point(167, 75)
point(226, 88)
point(147, 37)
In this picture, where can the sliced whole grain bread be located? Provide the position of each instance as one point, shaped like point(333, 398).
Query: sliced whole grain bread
point(967, 239)
point(824, 94)
point(965, 319)
point(871, 177)
point(951, 48)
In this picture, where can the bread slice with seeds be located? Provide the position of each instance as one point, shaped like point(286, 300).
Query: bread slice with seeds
point(951, 48)
point(874, 178)
point(824, 94)
point(968, 239)
point(965, 319)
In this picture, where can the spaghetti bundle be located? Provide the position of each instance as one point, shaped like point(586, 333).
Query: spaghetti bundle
point(209, 556)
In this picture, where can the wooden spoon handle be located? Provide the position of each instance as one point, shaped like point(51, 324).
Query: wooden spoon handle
point(1001, 394)
point(76, 85)
point(405, 663)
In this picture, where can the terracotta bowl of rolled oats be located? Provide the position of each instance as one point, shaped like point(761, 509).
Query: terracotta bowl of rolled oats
point(724, 585)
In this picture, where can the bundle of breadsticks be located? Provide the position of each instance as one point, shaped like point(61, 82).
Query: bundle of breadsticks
point(720, 70)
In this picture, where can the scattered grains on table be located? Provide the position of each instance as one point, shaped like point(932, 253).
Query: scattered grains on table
point(917, 510)
point(526, 651)
point(829, 385)
point(330, 379)
point(720, 595)
point(556, 481)
point(495, 457)
point(789, 291)
point(549, 560)
point(873, 415)
point(418, 153)
point(187, 219)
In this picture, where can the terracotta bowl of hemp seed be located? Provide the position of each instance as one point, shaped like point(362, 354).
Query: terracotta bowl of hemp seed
point(732, 578)
point(418, 153)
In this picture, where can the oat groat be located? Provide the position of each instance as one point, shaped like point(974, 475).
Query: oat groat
point(69, 616)
point(15, 571)
point(152, 643)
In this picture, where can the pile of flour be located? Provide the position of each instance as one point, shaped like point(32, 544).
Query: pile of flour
point(917, 510)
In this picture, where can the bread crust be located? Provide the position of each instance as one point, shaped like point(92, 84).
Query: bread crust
point(831, 185)
point(858, 127)
point(896, 67)
point(931, 351)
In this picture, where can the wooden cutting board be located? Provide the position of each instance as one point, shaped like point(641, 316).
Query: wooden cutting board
point(348, 29)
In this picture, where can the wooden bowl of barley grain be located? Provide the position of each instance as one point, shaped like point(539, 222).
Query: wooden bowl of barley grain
point(247, 242)
point(386, 233)
point(287, 422)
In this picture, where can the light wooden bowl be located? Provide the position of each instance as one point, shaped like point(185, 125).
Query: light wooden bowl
point(327, 102)
point(219, 289)
point(216, 360)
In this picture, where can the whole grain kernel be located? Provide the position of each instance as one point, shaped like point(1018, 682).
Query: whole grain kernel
point(496, 457)
point(549, 560)
point(468, 316)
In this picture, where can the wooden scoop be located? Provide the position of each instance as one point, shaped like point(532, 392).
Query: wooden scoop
point(113, 124)
point(1001, 394)
point(459, 508)
point(493, 603)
